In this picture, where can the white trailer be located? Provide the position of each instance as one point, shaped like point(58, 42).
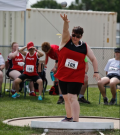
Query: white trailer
point(44, 25)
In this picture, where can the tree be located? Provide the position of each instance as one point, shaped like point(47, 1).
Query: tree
point(51, 4)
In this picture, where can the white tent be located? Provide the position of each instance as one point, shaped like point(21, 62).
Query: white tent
point(15, 5)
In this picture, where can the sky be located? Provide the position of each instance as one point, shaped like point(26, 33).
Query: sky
point(30, 2)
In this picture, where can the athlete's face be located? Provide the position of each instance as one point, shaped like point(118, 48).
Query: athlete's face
point(15, 47)
point(31, 51)
point(117, 56)
point(76, 38)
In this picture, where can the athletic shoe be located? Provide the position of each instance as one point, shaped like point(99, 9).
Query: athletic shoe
point(60, 100)
point(112, 102)
point(40, 97)
point(15, 95)
point(67, 119)
point(105, 101)
point(83, 100)
point(36, 90)
point(13, 92)
point(32, 94)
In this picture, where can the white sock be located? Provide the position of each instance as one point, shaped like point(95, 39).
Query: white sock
point(13, 90)
point(61, 95)
point(80, 96)
point(31, 91)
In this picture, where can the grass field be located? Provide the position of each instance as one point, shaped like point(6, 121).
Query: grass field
point(30, 106)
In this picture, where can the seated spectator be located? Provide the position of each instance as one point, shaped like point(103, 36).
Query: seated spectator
point(30, 69)
point(81, 98)
point(113, 77)
point(2, 65)
point(52, 51)
point(16, 63)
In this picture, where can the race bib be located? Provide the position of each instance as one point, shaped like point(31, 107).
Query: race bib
point(29, 68)
point(71, 64)
point(21, 63)
point(113, 69)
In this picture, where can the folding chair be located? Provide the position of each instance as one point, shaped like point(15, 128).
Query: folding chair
point(7, 78)
point(107, 86)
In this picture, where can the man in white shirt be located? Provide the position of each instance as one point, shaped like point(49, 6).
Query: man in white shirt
point(113, 77)
point(2, 65)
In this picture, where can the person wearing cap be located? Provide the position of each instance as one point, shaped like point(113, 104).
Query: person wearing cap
point(15, 69)
point(2, 65)
point(112, 69)
point(30, 68)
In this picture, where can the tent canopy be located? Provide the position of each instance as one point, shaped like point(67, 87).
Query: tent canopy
point(13, 5)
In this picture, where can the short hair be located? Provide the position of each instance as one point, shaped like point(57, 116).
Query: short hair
point(117, 50)
point(78, 30)
point(13, 43)
point(45, 46)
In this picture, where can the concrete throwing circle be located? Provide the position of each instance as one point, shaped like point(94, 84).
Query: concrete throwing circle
point(26, 121)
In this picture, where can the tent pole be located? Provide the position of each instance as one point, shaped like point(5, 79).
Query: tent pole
point(24, 28)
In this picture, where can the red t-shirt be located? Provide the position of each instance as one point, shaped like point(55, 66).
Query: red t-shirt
point(53, 53)
point(71, 64)
point(15, 62)
point(31, 64)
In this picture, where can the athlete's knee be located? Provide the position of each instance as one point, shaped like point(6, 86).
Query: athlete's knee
point(39, 81)
point(17, 81)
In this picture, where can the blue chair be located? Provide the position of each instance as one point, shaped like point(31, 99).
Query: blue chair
point(107, 86)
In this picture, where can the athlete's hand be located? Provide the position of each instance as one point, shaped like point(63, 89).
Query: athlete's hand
point(64, 17)
point(54, 70)
point(96, 76)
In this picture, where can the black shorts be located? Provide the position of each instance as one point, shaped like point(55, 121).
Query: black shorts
point(33, 78)
point(70, 87)
point(9, 70)
point(111, 75)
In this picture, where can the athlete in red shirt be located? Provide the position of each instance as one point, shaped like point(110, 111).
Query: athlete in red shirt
point(30, 70)
point(16, 63)
point(71, 68)
point(52, 51)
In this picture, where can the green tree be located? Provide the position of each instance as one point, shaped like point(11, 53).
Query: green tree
point(51, 4)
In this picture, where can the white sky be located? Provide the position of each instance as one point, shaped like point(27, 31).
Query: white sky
point(30, 2)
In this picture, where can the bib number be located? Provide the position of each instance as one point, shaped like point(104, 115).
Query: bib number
point(71, 64)
point(21, 64)
point(113, 69)
point(29, 68)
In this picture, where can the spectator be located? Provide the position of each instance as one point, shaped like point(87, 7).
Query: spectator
point(71, 68)
point(30, 70)
point(16, 63)
point(2, 65)
point(52, 51)
point(113, 77)
point(81, 98)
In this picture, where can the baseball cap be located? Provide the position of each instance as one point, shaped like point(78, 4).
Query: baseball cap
point(117, 50)
point(30, 45)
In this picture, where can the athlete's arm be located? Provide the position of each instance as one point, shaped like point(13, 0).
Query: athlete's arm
point(66, 33)
point(93, 59)
point(39, 53)
point(21, 50)
point(13, 55)
point(2, 67)
point(46, 60)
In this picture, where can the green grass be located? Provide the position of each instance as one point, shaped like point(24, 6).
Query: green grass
point(30, 106)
